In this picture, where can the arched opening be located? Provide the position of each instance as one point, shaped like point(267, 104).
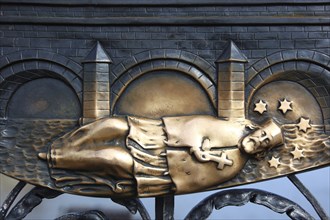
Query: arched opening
point(161, 93)
point(47, 98)
point(313, 78)
point(181, 62)
point(303, 103)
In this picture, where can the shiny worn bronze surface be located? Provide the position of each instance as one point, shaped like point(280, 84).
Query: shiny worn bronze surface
point(164, 134)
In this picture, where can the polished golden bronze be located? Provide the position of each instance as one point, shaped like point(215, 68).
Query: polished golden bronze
point(165, 136)
point(171, 155)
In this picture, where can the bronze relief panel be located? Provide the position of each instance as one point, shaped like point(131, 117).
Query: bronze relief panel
point(172, 130)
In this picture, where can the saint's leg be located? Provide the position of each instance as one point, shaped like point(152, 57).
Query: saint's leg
point(97, 147)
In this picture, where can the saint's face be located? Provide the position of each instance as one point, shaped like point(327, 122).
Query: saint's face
point(257, 141)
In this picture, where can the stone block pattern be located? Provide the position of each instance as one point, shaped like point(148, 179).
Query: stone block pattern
point(75, 41)
point(231, 90)
point(96, 96)
point(264, 45)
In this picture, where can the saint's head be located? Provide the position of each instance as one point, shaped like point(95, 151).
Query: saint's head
point(267, 136)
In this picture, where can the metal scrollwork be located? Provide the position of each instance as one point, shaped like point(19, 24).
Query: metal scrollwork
point(89, 215)
point(10, 199)
point(309, 196)
point(239, 197)
point(27, 203)
point(134, 205)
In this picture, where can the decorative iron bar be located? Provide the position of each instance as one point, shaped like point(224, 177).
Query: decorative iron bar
point(165, 205)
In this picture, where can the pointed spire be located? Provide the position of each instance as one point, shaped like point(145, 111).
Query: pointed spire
point(231, 54)
point(97, 55)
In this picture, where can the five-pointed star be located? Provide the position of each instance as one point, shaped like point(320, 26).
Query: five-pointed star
point(304, 124)
point(297, 153)
point(260, 107)
point(274, 162)
point(224, 161)
point(285, 105)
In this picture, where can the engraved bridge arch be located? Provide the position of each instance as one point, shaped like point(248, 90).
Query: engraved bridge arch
point(306, 67)
point(23, 66)
point(182, 62)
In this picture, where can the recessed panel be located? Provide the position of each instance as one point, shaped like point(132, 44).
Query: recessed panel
point(164, 93)
point(287, 101)
point(44, 98)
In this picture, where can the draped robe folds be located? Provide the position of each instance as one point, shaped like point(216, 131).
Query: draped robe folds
point(163, 168)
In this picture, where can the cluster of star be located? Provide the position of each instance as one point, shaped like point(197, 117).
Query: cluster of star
point(296, 153)
point(303, 125)
point(284, 106)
